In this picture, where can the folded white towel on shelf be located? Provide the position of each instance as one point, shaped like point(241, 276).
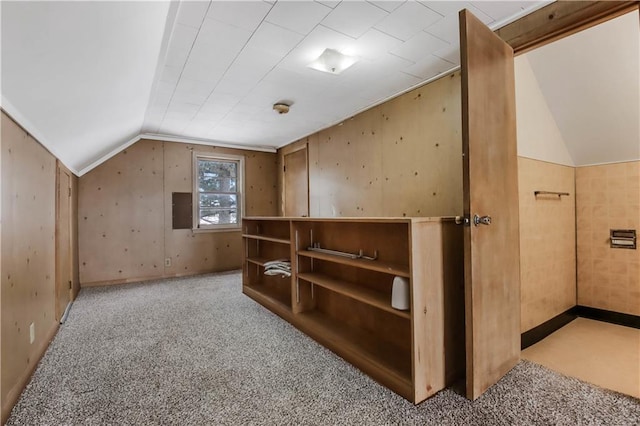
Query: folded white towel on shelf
point(278, 267)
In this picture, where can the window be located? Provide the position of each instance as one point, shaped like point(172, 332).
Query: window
point(218, 191)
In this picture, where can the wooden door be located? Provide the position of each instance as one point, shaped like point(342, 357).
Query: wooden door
point(63, 242)
point(296, 184)
point(492, 258)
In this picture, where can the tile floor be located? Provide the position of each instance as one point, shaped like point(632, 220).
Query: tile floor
point(604, 354)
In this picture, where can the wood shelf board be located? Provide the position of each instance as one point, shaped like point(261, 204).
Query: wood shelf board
point(271, 301)
point(354, 219)
point(354, 291)
point(378, 358)
point(372, 265)
point(267, 238)
point(258, 260)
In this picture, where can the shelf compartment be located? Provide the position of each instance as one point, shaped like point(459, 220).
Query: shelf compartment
point(384, 361)
point(354, 291)
point(266, 238)
point(372, 265)
point(273, 300)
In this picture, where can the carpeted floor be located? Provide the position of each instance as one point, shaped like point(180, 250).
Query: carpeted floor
point(195, 351)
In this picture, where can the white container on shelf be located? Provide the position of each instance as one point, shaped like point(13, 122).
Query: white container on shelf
point(400, 293)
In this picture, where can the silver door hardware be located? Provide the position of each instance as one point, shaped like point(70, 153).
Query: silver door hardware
point(462, 220)
point(485, 220)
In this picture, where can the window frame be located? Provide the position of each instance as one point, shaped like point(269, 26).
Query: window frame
point(239, 159)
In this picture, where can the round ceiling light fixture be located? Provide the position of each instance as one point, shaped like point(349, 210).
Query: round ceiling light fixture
point(281, 107)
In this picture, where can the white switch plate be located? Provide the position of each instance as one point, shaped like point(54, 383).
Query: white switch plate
point(167, 262)
point(32, 333)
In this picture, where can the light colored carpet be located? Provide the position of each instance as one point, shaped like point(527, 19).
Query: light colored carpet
point(195, 351)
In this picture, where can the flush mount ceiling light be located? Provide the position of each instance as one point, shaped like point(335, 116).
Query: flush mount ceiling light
point(281, 107)
point(332, 61)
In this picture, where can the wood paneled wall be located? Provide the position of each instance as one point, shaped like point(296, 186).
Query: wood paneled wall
point(608, 197)
point(125, 222)
point(547, 241)
point(27, 257)
point(401, 158)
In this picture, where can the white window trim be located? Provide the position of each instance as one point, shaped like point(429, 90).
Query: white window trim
point(196, 227)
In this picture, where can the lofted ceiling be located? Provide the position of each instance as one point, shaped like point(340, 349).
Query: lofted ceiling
point(88, 78)
point(591, 84)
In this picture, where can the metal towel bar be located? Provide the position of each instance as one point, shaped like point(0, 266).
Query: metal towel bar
point(559, 194)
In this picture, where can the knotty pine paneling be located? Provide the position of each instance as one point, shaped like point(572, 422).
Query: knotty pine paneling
point(125, 214)
point(28, 256)
point(121, 216)
point(608, 197)
point(401, 158)
point(547, 241)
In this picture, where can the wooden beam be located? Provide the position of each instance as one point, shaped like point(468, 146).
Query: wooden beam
point(558, 20)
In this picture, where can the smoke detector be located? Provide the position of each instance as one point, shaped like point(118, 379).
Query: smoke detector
point(281, 107)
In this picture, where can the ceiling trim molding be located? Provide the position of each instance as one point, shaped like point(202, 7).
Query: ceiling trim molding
point(606, 163)
point(28, 126)
point(167, 138)
point(109, 155)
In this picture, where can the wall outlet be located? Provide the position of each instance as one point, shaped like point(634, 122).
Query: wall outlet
point(32, 333)
point(167, 262)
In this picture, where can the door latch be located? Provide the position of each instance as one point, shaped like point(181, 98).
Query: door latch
point(484, 220)
point(462, 220)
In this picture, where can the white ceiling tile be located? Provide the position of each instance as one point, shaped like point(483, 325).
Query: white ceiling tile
point(176, 57)
point(191, 13)
point(182, 109)
point(221, 101)
point(446, 29)
point(329, 3)
point(204, 71)
point(396, 83)
point(223, 35)
point(192, 91)
point(450, 54)
point(192, 98)
point(429, 67)
point(372, 44)
point(298, 16)
point(407, 20)
point(253, 64)
point(170, 74)
point(197, 129)
point(165, 87)
point(274, 39)
point(186, 85)
point(173, 126)
point(236, 86)
point(354, 18)
point(388, 5)
point(182, 37)
point(243, 14)
point(501, 9)
point(217, 54)
point(449, 8)
point(445, 8)
point(161, 100)
point(419, 46)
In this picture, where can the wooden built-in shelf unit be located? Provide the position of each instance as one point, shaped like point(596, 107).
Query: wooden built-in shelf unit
point(344, 303)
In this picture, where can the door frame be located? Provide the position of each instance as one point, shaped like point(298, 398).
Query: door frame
point(62, 286)
point(282, 153)
point(558, 20)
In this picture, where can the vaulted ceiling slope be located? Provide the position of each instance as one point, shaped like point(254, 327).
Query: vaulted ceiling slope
point(88, 78)
point(591, 83)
